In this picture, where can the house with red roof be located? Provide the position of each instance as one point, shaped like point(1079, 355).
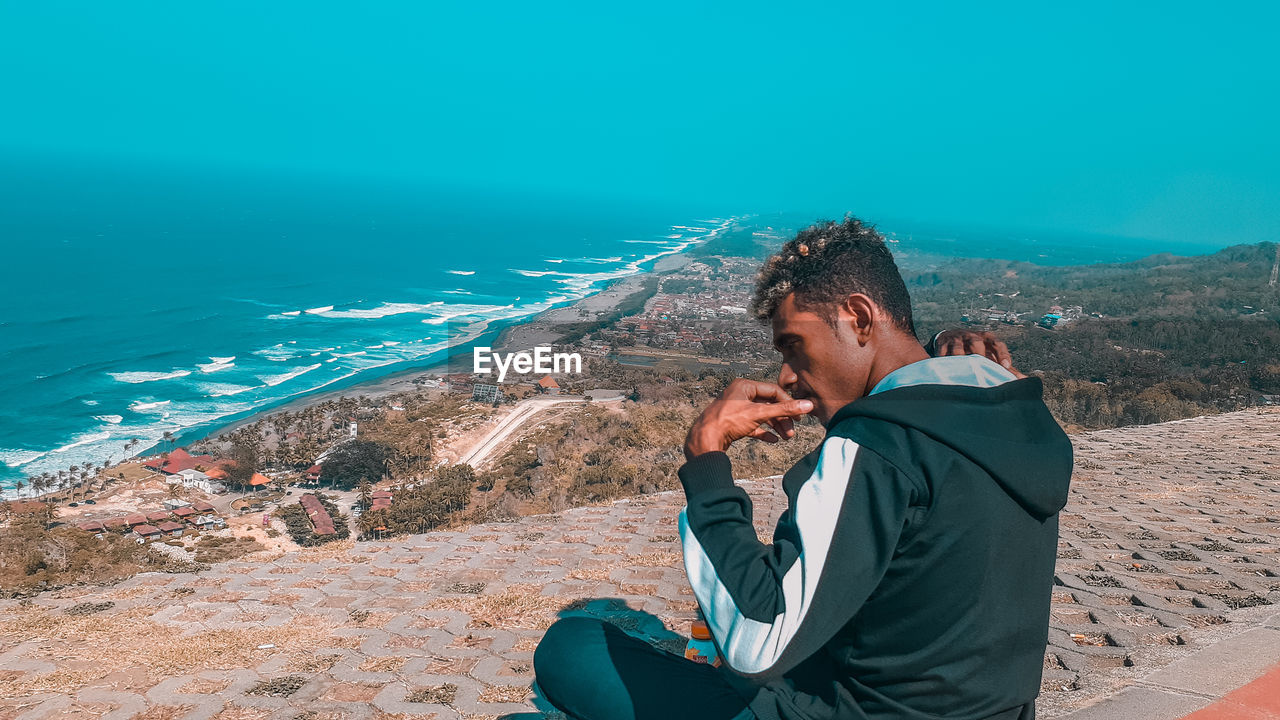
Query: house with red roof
point(320, 519)
point(92, 526)
point(147, 533)
point(170, 528)
point(549, 385)
point(116, 523)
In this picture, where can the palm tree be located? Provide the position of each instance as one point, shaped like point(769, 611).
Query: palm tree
point(168, 438)
point(18, 487)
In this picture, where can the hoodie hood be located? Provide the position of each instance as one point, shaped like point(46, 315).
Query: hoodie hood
point(1001, 425)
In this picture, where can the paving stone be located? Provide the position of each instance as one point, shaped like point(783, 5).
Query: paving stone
point(1142, 703)
point(1172, 532)
point(1224, 665)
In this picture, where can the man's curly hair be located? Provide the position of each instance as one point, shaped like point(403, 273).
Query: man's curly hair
point(827, 262)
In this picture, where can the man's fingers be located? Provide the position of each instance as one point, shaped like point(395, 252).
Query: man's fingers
point(766, 391)
point(784, 427)
point(765, 412)
point(763, 434)
point(976, 345)
point(1002, 355)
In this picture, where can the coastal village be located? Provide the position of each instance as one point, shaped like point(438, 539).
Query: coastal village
point(397, 553)
point(695, 319)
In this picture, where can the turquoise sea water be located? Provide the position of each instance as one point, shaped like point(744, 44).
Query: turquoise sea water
point(131, 306)
point(132, 303)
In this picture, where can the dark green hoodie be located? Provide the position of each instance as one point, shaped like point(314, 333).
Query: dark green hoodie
point(910, 575)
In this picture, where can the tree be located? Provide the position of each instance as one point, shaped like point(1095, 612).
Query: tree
point(354, 462)
point(244, 463)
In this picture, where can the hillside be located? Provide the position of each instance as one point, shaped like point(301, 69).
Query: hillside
point(1170, 543)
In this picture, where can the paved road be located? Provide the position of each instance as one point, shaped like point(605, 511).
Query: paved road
point(524, 411)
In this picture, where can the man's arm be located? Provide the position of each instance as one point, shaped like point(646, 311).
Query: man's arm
point(771, 606)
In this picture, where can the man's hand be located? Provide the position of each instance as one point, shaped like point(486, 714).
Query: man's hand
point(967, 342)
point(740, 412)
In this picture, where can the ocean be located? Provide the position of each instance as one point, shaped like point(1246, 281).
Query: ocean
point(136, 302)
point(133, 306)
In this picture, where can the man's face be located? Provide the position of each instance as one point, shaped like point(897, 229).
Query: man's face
point(821, 363)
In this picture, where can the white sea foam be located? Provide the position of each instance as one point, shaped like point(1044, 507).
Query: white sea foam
point(277, 352)
point(461, 272)
point(142, 407)
point(391, 343)
point(273, 380)
point(318, 310)
point(383, 310)
point(18, 458)
point(556, 261)
point(292, 313)
point(90, 403)
point(84, 439)
point(350, 354)
point(219, 363)
point(457, 292)
point(112, 419)
point(141, 377)
point(225, 389)
point(533, 273)
point(456, 311)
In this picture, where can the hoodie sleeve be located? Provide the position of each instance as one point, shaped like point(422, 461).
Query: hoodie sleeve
point(770, 607)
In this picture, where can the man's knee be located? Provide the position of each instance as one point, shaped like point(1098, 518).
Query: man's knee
point(558, 659)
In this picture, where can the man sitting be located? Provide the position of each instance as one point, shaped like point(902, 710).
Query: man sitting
point(909, 576)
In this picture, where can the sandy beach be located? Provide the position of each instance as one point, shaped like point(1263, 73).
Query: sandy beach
point(537, 330)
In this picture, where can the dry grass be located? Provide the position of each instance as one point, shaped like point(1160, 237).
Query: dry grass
point(504, 694)
point(204, 686)
point(382, 664)
point(597, 573)
point(235, 712)
point(94, 639)
point(164, 712)
point(313, 663)
point(517, 607)
point(654, 559)
point(434, 694)
point(336, 550)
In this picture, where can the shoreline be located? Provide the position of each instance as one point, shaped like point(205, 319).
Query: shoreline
point(506, 336)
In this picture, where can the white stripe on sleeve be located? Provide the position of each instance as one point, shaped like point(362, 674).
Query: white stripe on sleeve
point(751, 646)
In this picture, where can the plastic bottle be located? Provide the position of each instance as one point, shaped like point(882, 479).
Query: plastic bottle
point(701, 649)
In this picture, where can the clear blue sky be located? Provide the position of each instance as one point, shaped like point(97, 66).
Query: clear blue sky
point(1152, 120)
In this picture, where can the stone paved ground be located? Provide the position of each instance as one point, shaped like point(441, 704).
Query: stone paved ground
point(1170, 542)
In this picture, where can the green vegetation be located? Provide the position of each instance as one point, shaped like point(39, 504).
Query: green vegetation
point(1160, 339)
point(34, 557)
point(299, 525)
point(424, 506)
point(629, 305)
point(353, 463)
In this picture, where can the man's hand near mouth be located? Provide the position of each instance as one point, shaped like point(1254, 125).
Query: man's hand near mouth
point(742, 410)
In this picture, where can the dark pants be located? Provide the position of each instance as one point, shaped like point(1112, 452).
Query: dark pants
point(594, 671)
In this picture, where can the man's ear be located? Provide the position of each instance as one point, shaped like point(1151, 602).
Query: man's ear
point(858, 314)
